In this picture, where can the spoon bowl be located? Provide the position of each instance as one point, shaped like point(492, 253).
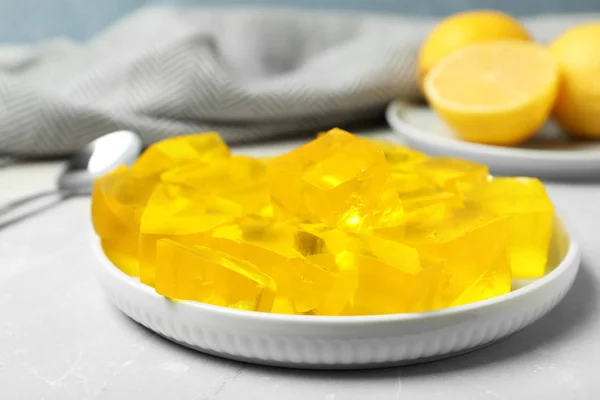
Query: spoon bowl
point(92, 161)
point(98, 158)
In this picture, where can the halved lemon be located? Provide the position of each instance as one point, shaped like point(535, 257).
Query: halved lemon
point(465, 28)
point(498, 92)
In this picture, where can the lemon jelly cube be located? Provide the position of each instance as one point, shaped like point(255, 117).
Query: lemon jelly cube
point(319, 286)
point(186, 272)
point(400, 158)
point(392, 279)
point(118, 200)
point(532, 213)
point(169, 153)
point(453, 174)
point(240, 180)
point(266, 244)
point(179, 213)
point(473, 245)
point(305, 284)
point(411, 183)
point(338, 179)
point(379, 276)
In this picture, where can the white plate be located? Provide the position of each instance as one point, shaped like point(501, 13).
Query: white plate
point(550, 155)
point(344, 342)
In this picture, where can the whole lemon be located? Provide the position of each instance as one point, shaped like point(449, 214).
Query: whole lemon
point(462, 29)
point(577, 52)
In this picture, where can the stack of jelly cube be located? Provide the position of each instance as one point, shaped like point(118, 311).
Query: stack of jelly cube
point(339, 226)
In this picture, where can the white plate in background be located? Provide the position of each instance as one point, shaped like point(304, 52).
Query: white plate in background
point(550, 155)
point(317, 342)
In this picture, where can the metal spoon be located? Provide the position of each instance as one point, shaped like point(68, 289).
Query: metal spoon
point(90, 162)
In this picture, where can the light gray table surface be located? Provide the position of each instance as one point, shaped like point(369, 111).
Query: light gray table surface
point(60, 338)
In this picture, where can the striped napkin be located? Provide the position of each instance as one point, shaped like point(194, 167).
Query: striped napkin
point(248, 74)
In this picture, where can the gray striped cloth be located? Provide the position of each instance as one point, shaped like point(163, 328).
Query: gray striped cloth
point(249, 75)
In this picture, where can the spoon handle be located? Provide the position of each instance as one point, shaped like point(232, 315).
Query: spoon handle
point(20, 202)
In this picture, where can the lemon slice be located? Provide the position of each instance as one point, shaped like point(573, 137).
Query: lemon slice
point(498, 92)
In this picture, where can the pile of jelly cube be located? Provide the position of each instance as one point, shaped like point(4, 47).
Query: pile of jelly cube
point(339, 226)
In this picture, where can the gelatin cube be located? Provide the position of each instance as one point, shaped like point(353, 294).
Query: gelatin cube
point(411, 183)
point(199, 273)
point(310, 287)
point(327, 286)
point(117, 203)
point(531, 211)
point(238, 179)
point(429, 207)
point(148, 251)
point(414, 202)
point(492, 283)
point(428, 215)
point(400, 158)
point(124, 194)
point(471, 242)
point(177, 210)
point(516, 187)
point(363, 257)
point(122, 251)
point(453, 174)
point(397, 255)
point(531, 231)
point(104, 220)
point(390, 277)
point(218, 176)
point(269, 247)
point(385, 289)
point(266, 244)
point(305, 285)
point(337, 179)
point(179, 213)
point(313, 239)
point(170, 153)
point(318, 239)
point(274, 237)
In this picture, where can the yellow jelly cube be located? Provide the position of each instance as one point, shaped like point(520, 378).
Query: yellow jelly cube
point(410, 183)
point(306, 285)
point(198, 273)
point(179, 213)
point(494, 282)
point(125, 195)
point(392, 279)
point(400, 158)
point(386, 289)
point(240, 180)
point(532, 213)
point(338, 179)
point(453, 174)
point(104, 220)
point(417, 201)
point(312, 239)
point(267, 245)
point(123, 252)
point(429, 207)
point(118, 200)
point(472, 243)
point(379, 275)
point(323, 287)
point(169, 153)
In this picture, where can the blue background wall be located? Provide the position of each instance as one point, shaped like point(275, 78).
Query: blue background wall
point(33, 20)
